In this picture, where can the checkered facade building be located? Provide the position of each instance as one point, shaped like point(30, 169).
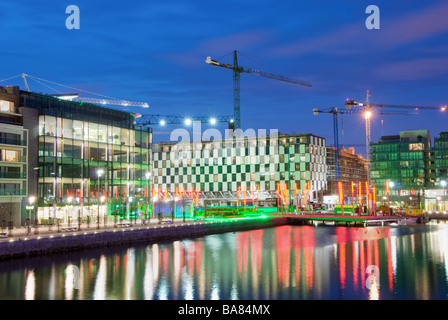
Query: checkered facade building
point(257, 162)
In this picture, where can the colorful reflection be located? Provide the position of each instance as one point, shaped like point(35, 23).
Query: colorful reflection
point(288, 262)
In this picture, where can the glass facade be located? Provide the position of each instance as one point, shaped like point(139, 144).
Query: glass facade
point(92, 161)
point(418, 172)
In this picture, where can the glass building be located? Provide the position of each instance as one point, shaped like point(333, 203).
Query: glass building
point(415, 171)
point(87, 161)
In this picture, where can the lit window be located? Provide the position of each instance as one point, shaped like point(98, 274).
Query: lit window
point(6, 106)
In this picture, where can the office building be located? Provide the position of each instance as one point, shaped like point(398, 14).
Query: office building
point(222, 168)
point(84, 161)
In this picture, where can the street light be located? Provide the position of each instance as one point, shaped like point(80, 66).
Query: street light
point(99, 173)
point(30, 207)
point(69, 207)
point(104, 218)
point(148, 175)
point(389, 184)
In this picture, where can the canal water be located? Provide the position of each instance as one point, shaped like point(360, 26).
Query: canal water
point(282, 263)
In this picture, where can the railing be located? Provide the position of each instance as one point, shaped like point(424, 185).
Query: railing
point(12, 175)
point(18, 159)
point(12, 192)
point(12, 141)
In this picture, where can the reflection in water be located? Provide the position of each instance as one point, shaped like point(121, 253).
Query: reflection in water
point(30, 286)
point(99, 292)
point(288, 262)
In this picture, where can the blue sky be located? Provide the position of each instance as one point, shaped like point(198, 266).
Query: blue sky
point(155, 51)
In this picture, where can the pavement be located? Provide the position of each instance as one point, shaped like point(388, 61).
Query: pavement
point(47, 231)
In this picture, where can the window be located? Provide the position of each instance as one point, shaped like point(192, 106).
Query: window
point(415, 146)
point(6, 106)
point(10, 155)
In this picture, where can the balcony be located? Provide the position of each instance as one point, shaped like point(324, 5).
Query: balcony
point(12, 175)
point(12, 192)
point(14, 142)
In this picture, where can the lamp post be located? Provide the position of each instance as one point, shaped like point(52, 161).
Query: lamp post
point(290, 159)
point(69, 207)
point(30, 207)
point(148, 202)
point(389, 184)
point(99, 173)
point(102, 198)
point(130, 208)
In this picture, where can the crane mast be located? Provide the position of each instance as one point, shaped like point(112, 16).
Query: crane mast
point(236, 92)
point(367, 115)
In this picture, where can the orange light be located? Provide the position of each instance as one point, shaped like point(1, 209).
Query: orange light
point(341, 193)
point(374, 194)
point(360, 193)
point(367, 114)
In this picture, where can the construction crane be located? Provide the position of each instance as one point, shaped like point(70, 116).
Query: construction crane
point(367, 108)
point(75, 97)
point(157, 119)
point(335, 112)
point(237, 71)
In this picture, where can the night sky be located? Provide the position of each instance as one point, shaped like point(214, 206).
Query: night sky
point(155, 51)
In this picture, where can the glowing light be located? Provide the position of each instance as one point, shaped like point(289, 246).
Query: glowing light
point(213, 121)
point(187, 122)
point(162, 122)
point(367, 114)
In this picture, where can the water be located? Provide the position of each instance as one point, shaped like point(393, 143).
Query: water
point(288, 262)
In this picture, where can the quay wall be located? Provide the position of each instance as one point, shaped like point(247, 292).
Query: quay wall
point(70, 241)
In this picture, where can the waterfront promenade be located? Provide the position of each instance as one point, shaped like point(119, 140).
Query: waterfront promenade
point(51, 241)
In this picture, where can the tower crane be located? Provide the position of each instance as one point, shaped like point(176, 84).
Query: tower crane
point(367, 108)
point(237, 71)
point(335, 111)
point(75, 97)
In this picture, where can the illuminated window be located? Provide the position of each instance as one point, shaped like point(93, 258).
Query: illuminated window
point(415, 146)
point(10, 155)
point(6, 106)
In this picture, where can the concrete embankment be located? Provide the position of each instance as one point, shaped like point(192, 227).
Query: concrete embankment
point(70, 241)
